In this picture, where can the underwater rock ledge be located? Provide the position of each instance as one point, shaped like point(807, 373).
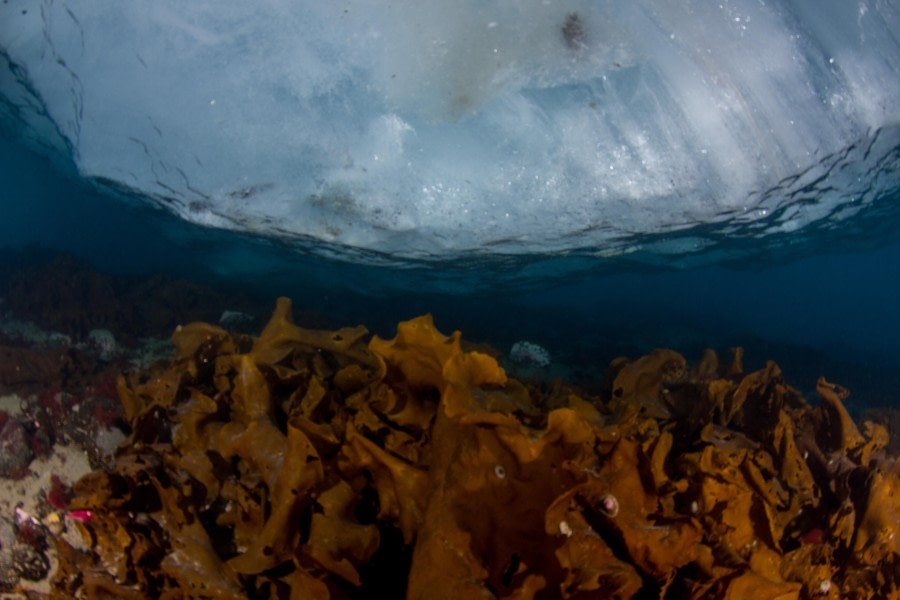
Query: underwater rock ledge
point(323, 464)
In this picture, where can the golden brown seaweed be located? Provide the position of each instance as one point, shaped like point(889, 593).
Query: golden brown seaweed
point(312, 464)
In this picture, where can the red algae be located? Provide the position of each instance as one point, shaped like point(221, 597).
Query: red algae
point(59, 495)
point(306, 463)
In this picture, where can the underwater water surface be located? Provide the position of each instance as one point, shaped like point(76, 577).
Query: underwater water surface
point(436, 132)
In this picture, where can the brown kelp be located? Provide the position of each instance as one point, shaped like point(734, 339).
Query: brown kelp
point(317, 464)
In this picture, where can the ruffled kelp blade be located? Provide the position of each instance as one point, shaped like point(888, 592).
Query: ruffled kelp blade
point(322, 464)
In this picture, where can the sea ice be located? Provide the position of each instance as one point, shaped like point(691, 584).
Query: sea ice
point(433, 129)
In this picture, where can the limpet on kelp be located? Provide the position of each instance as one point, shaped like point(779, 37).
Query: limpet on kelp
point(609, 505)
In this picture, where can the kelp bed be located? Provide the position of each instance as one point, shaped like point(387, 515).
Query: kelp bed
point(312, 464)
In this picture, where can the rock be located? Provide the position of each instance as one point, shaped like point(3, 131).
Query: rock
point(15, 453)
point(529, 354)
point(103, 343)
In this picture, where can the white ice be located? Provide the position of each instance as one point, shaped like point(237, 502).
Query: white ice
point(436, 128)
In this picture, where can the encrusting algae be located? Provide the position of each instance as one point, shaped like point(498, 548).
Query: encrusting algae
point(312, 464)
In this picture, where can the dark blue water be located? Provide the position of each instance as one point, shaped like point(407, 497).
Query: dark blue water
point(824, 303)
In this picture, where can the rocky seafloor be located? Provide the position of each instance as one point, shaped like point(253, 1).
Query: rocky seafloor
point(288, 462)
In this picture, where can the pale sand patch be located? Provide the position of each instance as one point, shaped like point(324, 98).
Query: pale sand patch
point(26, 499)
point(12, 404)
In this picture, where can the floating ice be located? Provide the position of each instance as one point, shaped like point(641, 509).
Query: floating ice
point(433, 129)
